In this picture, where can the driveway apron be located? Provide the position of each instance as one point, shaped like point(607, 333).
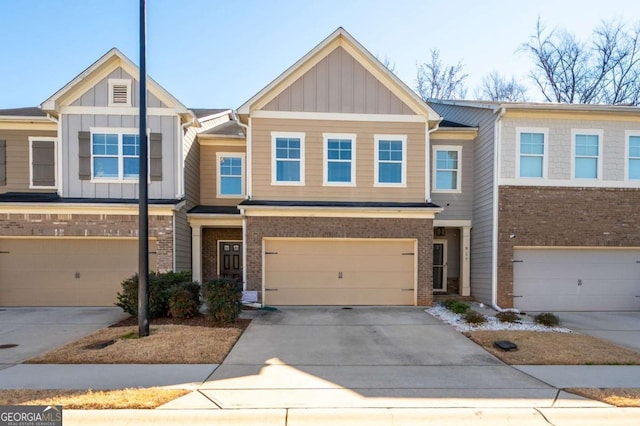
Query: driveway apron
point(621, 328)
point(331, 357)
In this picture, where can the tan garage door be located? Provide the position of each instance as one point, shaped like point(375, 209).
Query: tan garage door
point(66, 271)
point(339, 272)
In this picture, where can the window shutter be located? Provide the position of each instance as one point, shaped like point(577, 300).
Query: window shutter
point(43, 163)
point(155, 157)
point(120, 94)
point(3, 163)
point(84, 155)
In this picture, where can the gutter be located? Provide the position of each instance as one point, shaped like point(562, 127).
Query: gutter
point(500, 110)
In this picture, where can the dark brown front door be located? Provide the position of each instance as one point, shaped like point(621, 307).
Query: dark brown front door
point(231, 259)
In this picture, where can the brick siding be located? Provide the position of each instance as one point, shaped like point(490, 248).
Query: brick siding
point(322, 227)
point(92, 225)
point(557, 217)
point(210, 238)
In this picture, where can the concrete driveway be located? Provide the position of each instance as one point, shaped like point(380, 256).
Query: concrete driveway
point(621, 328)
point(38, 330)
point(367, 357)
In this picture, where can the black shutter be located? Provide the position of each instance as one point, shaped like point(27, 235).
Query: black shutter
point(155, 157)
point(3, 163)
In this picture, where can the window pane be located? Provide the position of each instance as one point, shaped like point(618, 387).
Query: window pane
point(634, 146)
point(447, 160)
point(390, 173)
point(231, 186)
point(105, 144)
point(530, 166)
point(634, 169)
point(587, 168)
point(587, 145)
point(288, 171)
point(446, 180)
point(130, 145)
point(287, 148)
point(532, 143)
point(131, 167)
point(339, 172)
point(105, 167)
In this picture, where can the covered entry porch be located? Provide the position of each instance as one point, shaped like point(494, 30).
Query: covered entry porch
point(451, 257)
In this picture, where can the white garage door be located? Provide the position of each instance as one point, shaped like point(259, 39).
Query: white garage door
point(576, 279)
point(339, 272)
point(66, 271)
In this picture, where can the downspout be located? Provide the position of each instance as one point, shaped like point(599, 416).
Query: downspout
point(183, 189)
point(247, 196)
point(427, 159)
point(497, 130)
point(59, 181)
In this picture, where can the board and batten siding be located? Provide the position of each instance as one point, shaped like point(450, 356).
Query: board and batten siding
point(167, 188)
point(483, 194)
point(364, 190)
point(560, 143)
point(209, 175)
point(339, 84)
point(457, 206)
point(17, 159)
point(98, 95)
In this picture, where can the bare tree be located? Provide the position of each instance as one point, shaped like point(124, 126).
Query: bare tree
point(386, 61)
point(496, 87)
point(603, 70)
point(436, 80)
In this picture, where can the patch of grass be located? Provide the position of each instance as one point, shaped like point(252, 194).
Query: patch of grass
point(456, 306)
point(547, 319)
point(130, 335)
point(620, 397)
point(132, 398)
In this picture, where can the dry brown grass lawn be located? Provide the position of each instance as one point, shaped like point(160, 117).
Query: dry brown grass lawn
point(147, 398)
point(549, 348)
point(167, 344)
point(620, 397)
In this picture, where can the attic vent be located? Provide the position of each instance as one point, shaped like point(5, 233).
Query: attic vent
point(119, 92)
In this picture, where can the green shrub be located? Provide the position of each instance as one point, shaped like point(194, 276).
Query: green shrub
point(159, 285)
point(508, 316)
point(456, 306)
point(474, 317)
point(181, 303)
point(224, 299)
point(548, 319)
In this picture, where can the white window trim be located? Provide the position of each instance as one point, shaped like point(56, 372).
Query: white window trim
point(118, 131)
point(55, 160)
point(325, 158)
point(627, 136)
point(119, 81)
point(588, 132)
point(545, 155)
point(274, 174)
point(434, 156)
point(376, 161)
point(242, 157)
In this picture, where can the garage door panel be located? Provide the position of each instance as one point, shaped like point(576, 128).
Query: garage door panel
point(577, 279)
point(66, 271)
point(337, 272)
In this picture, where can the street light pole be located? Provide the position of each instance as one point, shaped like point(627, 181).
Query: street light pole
point(143, 205)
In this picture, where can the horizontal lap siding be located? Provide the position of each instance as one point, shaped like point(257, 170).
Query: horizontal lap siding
point(313, 188)
point(17, 159)
point(209, 175)
point(457, 206)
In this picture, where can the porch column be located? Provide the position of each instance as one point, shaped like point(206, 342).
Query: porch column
point(196, 252)
point(465, 264)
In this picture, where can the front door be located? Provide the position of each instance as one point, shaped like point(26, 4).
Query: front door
point(440, 266)
point(231, 259)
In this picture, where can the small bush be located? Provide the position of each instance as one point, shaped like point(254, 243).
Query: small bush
point(508, 316)
point(159, 285)
point(181, 303)
point(224, 299)
point(548, 319)
point(456, 306)
point(474, 317)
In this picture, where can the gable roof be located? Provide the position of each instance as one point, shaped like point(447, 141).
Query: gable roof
point(541, 106)
point(98, 70)
point(23, 112)
point(340, 37)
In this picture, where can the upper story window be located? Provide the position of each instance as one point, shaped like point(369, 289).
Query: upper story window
point(230, 174)
point(587, 152)
point(531, 152)
point(42, 162)
point(390, 160)
point(339, 155)
point(633, 156)
point(288, 158)
point(447, 168)
point(119, 92)
point(115, 156)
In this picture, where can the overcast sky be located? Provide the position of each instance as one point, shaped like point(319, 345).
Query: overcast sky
point(214, 53)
